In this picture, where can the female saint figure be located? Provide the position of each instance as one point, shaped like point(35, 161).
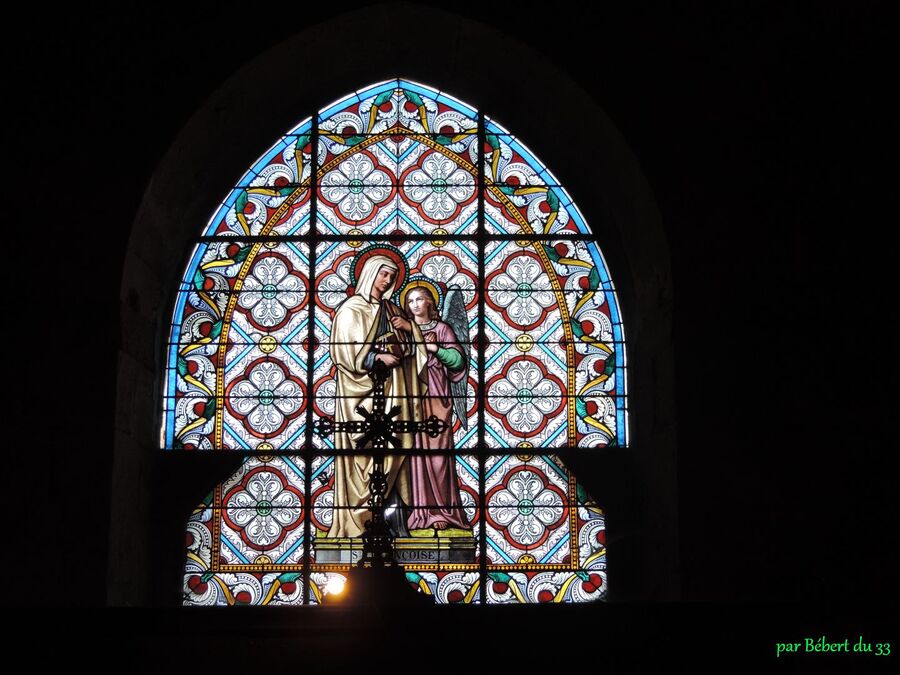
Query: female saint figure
point(369, 331)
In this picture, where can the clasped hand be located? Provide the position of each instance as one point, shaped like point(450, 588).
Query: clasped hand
point(388, 360)
point(431, 344)
point(400, 323)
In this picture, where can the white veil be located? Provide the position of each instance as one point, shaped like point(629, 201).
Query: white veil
point(370, 271)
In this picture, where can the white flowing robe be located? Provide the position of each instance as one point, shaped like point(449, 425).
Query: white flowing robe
point(353, 332)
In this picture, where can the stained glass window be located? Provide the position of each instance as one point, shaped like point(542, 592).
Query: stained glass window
point(402, 232)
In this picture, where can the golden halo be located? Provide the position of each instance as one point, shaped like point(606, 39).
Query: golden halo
point(422, 282)
point(380, 249)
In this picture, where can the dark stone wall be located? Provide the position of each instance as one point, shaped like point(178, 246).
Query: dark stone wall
point(760, 131)
point(269, 95)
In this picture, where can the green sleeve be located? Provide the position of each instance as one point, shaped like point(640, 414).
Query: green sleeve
point(450, 358)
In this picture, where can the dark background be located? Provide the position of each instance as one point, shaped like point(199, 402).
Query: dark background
point(762, 130)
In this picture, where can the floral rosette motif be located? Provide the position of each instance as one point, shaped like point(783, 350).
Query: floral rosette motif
point(520, 191)
point(543, 587)
point(520, 290)
point(452, 587)
point(468, 499)
point(213, 294)
point(339, 132)
point(332, 284)
point(297, 155)
point(322, 497)
point(592, 543)
point(457, 132)
point(246, 588)
point(593, 326)
point(290, 588)
point(412, 108)
point(194, 406)
point(596, 420)
point(497, 154)
point(580, 586)
point(526, 507)
point(199, 332)
point(263, 508)
point(265, 398)
point(198, 538)
point(525, 396)
point(194, 419)
point(251, 212)
point(323, 507)
point(272, 292)
point(547, 210)
point(325, 392)
point(380, 111)
point(200, 587)
point(551, 337)
point(444, 267)
point(437, 187)
point(356, 187)
point(515, 179)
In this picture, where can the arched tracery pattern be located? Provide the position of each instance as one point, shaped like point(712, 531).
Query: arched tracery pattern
point(468, 208)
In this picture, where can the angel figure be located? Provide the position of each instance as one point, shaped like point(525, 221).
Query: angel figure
point(435, 491)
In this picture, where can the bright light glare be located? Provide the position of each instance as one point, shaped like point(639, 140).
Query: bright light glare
point(335, 586)
point(389, 510)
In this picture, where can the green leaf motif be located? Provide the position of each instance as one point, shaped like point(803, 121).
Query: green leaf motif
point(209, 409)
point(182, 366)
point(581, 407)
point(288, 577)
point(242, 253)
point(580, 494)
point(242, 201)
point(576, 329)
point(413, 98)
point(610, 365)
point(552, 200)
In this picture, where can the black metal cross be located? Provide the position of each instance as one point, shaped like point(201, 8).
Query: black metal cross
point(379, 429)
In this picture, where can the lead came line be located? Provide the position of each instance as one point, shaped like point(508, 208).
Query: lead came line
point(481, 335)
point(310, 350)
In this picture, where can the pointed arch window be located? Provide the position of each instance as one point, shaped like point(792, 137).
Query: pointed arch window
point(519, 352)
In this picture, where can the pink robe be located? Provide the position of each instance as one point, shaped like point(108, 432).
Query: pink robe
point(433, 477)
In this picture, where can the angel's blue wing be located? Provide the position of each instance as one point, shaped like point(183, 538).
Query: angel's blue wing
point(454, 315)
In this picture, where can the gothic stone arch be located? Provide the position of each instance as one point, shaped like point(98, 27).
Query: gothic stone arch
point(151, 494)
